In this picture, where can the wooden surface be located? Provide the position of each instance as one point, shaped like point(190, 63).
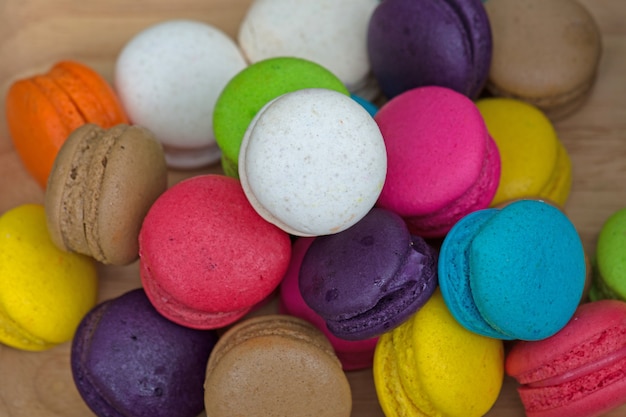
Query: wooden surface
point(35, 33)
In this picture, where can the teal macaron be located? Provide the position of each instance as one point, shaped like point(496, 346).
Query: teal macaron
point(609, 262)
point(253, 87)
point(513, 273)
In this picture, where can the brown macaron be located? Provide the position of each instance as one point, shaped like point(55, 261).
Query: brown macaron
point(101, 186)
point(275, 365)
point(544, 52)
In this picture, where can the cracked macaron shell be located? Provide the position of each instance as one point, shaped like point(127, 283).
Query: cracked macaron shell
point(102, 184)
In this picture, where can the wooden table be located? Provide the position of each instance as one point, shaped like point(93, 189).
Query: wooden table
point(36, 33)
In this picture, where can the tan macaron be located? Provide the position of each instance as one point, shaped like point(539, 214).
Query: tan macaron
point(101, 186)
point(275, 365)
point(544, 52)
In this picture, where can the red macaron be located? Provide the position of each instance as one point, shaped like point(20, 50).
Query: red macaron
point(206, 257)
point(578, 372)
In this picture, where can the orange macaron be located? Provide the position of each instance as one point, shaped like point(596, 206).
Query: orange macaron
point(43, 109)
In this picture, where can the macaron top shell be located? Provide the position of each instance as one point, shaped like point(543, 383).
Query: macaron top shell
point(312, 162)
point(169, 76)
point(609, 280)
point(196, 260)
point(249, 90)
point(415, 43)
point(275, 365)
point(331, 33)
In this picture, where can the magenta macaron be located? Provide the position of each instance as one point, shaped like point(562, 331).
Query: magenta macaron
point(441, 161)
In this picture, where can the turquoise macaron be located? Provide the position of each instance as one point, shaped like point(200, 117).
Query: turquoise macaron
point(609, 262)
point(513, 273)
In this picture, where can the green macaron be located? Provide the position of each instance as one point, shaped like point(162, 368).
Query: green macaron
point(609, 263)
point(248, 91)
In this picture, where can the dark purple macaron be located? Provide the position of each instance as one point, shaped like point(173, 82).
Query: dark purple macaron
point(415, 43)
point(128, 360)
point(369, 278)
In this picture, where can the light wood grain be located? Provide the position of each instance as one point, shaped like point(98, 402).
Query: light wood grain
point(35, 33)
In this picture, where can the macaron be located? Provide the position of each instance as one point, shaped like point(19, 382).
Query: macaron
point(416, 43)
point(513, 273)
point(101, 186)
point(368, 279)
point(578, 372)
point(168, 77)
point(544, 52)
point(330, 33)
point(353, 354)
point(312, 162)
point(275, 365)
point(249, 90)
point(128, 360)
point(44, 291)
point(43, 109)
point(535, 164)
point(609, 260)
point(206, 258)
point(432, 366)
point(442, 162)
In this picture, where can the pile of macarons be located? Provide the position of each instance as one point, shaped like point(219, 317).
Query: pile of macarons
point(389, 171)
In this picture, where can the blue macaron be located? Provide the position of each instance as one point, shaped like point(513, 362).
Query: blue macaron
point(513, 273)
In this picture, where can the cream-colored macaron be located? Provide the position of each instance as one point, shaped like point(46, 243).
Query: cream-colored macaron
point(312, 162)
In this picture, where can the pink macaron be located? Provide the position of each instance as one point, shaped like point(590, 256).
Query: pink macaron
point(353, 354)
point(579, 371)
point(442, 162)
point(206, 257)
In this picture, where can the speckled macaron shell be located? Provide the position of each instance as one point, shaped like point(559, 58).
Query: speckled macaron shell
point(513, 273)
point(414, 43)
point(101, 186)
point(535, 163)
point(544, 52)
point(127, 359)
point(353, 354)
point(442, 162)
point(331, 33)
point(312, 162)
point(609, 262)
point(168, 77)
point(196, 260)
point(248, 91)
point(368, 279)
point(275, 365)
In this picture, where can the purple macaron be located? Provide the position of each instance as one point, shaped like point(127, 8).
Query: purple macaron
point(369, 278)
point(128, 360)
point(414, 43)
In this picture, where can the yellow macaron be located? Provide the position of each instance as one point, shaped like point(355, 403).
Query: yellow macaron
point(44, 292)
point(432, 366)
point(534, 161)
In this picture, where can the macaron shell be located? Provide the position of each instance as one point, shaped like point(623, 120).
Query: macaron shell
point(44, 292)
point(92, 95)
point(609, 260)
point(327, 159)
point(543, 52)
point(282, 365)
